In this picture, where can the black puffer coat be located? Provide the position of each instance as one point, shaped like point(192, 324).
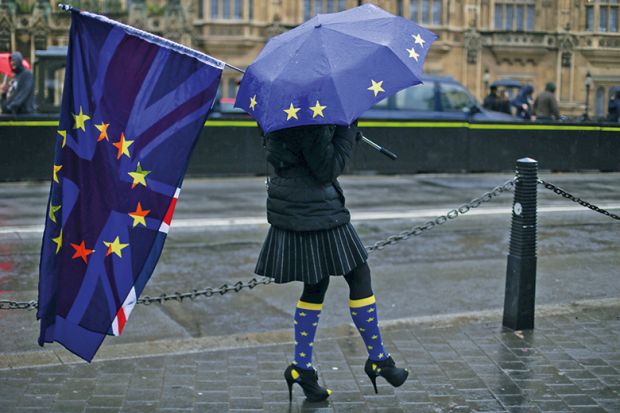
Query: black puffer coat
point(305, 194)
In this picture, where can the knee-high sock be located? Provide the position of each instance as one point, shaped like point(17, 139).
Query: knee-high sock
point(364, 315)
point(306, 322)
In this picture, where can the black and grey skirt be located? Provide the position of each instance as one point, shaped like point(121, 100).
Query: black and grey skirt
point(309, 256)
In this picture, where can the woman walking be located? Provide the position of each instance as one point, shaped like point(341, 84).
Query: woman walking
point(311, 238)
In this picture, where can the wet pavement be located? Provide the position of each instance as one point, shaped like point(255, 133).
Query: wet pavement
point(215, 238)
point(569, 363)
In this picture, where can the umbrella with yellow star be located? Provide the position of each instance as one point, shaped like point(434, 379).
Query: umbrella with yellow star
point(333, 68)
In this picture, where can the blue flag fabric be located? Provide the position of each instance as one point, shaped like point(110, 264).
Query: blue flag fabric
point(133, 107)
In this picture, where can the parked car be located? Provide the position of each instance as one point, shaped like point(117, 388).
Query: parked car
point(438, 98)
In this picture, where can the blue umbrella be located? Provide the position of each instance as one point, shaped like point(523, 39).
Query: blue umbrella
point(333, 68)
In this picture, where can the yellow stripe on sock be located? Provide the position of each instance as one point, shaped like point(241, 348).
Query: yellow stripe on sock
point(362, 302)
point(309, 306)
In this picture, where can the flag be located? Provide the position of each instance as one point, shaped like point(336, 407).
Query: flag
point(132, 109)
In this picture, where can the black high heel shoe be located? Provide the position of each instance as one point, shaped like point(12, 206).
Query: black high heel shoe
point(309, 382)
point(386, 369)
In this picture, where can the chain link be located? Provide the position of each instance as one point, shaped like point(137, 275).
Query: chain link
point(240, 285)
point(442, 219)
point(18, 305)
point(573, 198)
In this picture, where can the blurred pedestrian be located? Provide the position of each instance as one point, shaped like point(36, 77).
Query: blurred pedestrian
point(613, 107)
point(491, 100)
point(503, 103)
point(545, 105)
point(311, 238)
point(523, 102)
point(17, 95)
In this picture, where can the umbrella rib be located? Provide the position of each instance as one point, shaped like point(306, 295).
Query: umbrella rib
point(331, 67)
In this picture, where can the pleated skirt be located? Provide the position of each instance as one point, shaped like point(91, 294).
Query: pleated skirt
point(308, 256)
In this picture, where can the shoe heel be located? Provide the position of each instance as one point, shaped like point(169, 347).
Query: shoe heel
point(290, 389)
point(373, 380)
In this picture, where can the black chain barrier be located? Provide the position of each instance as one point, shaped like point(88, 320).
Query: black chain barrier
point(240, 285)
point(573, 198)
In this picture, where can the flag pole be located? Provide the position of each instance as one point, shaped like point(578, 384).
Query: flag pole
point(386, 152)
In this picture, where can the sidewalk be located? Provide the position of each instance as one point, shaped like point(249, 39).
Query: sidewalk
point(458, 363)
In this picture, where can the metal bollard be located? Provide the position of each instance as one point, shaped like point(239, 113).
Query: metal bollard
point(520, 292)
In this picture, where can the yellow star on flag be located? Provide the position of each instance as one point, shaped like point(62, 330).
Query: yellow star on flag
point(103, 128)
point(371, 310)
point(115, 247)
point(53, 210)
point(413, 54)
point(374, 337)
point(302, 314)
point(302, 354)
point(79, 120)
point(303, 333)
point(292, 112)
point(138, 215)
point(376, 87)
point(56, 169)
point(317, 110)
point(123, 146)
point(63, 133)
point(418, 39)
point(370, 319)
point(138, 176)
point(310, 365)
point(253, 102)
point(380, 355)
point(58, 241)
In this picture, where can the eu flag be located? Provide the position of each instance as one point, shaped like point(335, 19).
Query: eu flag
point(133, 107)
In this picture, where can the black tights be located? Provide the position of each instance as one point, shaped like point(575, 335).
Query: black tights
point(359, 286)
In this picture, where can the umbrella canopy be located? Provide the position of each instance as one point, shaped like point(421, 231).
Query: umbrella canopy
point(333, 68)
point(5, 64)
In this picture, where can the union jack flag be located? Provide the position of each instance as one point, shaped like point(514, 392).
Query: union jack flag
point(133, 107)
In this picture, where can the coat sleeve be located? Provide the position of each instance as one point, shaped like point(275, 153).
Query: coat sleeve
point(24, 89)
point(328, 149)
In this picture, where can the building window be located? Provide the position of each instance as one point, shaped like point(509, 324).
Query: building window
point(227, 9)
point(515, 15)
point(589, 18)
point(608, 16)
point(425, 11)
point(314, 7)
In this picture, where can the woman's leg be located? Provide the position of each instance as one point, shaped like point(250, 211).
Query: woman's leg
point(364, 311)
point(306, 321)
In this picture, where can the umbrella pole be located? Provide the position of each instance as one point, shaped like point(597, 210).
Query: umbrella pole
point(381, 149)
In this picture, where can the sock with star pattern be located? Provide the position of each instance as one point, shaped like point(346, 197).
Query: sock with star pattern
point(364, 315)
point(306, 322)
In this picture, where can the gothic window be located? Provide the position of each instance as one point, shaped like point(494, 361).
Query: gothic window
point(589, 18)
point(515, 15)
point(229, 9)
point(425, 11)
point(314, 7)
point(608, 16)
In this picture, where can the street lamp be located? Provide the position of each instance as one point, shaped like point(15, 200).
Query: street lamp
point(588, 82)
point(486, 77)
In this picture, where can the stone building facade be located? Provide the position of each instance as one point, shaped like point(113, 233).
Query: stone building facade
point(480, 41)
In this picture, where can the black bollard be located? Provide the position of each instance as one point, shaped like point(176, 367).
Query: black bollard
point(521, 271)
